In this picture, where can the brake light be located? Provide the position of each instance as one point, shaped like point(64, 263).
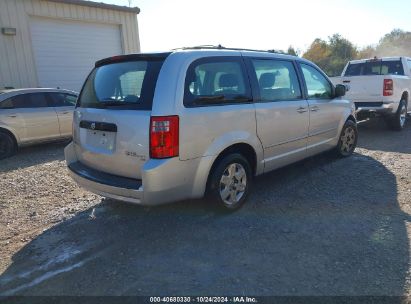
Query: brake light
point(388, 87)
point(164, 136)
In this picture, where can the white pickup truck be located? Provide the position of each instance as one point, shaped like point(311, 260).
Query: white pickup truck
point(379, 86)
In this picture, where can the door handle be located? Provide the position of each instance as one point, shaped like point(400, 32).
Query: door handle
point(314, 109)
point(12, 115)
point(66, 112)
point(301, 110)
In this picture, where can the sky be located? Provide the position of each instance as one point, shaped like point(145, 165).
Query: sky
point(264, 24)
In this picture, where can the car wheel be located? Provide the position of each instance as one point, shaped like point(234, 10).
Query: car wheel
point(348, 139)
point(7, 145)
point(397, 122)
point(230, 182)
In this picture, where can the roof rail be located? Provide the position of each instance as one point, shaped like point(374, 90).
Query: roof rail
point(220, 47)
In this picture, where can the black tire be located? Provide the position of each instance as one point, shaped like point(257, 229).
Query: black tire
point(347, 141)
point(216, 188)
point(7, 145)
point(397, 121)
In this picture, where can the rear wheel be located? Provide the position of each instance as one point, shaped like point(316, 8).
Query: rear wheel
point(397, 122)
point(230, 182)
point(7, 145)
point(348, 139)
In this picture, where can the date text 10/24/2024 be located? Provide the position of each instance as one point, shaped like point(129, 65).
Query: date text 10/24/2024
point(241, 299)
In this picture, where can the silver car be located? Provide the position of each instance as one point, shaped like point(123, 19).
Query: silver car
point(157, 128)
point(31, 116)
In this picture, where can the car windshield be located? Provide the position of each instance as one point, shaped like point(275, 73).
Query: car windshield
point(123, 85)
point(375, 67)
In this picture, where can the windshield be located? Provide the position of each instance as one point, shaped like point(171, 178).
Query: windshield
point(124, 85)
point(375, 68)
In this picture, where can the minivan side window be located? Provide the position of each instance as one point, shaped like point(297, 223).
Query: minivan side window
point(277, 80)
point(216, 80)
point(318, 87)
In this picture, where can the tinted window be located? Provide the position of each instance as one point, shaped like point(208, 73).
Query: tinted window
point(409, 64)
point(6, 104)
point(216, 81)
point(30, 100)
point(38, 100)
point(377, 67)
point(70, 100)
point(63, 100)
point(354, 69)
point(317, 85)
point(277, 80)
point(124, 85)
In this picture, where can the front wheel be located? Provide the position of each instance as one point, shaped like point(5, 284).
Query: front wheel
point(348, 139)
point(230, 182)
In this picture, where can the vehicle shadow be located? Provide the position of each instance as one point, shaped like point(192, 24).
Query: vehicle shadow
point(319, 227)
point(374, 135)
point(34, 155)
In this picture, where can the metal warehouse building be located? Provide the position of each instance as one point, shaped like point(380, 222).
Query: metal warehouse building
point(54, 43)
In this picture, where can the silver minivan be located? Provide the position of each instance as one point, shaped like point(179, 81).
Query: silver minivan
point(157, 128)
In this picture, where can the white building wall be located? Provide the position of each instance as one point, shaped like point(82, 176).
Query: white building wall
point(17, 63)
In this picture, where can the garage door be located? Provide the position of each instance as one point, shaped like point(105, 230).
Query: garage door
point(65, 51)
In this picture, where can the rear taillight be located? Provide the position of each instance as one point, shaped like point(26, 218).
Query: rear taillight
point(164, 136)
point(388, 87)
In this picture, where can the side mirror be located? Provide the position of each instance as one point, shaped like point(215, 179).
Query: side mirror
point(340, 90)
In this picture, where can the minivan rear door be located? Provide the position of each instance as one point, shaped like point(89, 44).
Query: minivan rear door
point(112, 118)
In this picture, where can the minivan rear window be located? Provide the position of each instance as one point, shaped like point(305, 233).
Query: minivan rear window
point(375, 67)
point(121, 85)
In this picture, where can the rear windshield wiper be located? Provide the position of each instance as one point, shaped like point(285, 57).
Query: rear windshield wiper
point(210, 98)
point(222, 98)
point(241, 98)
point(114, 103)
point(111, 102)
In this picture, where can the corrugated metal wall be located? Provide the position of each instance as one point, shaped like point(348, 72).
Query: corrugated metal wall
point(17, 66)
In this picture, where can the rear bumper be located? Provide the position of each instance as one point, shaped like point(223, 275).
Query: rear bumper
point(107, 185)
point(376, 107)
point(163, 180)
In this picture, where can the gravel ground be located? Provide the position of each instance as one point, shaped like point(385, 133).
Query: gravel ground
point(323, 226)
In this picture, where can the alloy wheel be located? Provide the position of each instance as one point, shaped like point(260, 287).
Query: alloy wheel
point(347, 140)
point(403, 116)
point(233, 184)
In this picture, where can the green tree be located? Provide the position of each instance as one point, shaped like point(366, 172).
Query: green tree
point(319, 53)
point(331, 55)
point(341, 51)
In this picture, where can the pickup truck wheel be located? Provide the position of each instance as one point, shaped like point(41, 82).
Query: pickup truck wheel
point(7, 145)
point(348, 139)
point(230, 182)
point(397, 122)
